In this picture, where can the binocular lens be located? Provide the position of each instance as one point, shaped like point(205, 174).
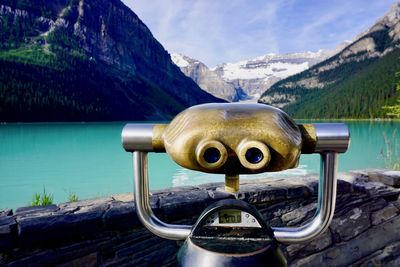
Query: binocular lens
point(254, 155)
point(211, 155)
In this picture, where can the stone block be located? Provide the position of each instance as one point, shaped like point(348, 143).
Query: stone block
point(351, 224)
point(177, 189)
point(36, 210)
point(87, 261)
point(8, 233)
point(6, 238)
point(320, 243)
point(138, 248)
point(159, 255)
point(6, 212)
point(41, 258)
point(391, 178)
point(363, 245)
point(219, 194)
point(388, 256)
point(377, 204)
point(302, 250)
point(344, 187)
point(175, 206)
point(94, 202)
point(298, 191)
point(253, 193)
point(282, 208)
point(123, 197)
point(47, 228)
point(296, 216)
point(121, 216)
point(384, 214)
point(210, 186)
point(80, 250)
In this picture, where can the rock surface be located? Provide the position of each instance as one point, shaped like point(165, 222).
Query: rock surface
point(106, 231)
point(391, 178)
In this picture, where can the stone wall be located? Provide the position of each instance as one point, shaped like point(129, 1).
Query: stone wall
point(365, 230)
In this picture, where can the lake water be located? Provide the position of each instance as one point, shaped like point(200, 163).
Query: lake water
point(87, 159)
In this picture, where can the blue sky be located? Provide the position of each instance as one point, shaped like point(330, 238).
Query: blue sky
point(217, 31)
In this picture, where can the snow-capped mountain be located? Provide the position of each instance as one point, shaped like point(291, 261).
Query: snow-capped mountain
point(356, 82)
point(208, 80)
point(247, 79)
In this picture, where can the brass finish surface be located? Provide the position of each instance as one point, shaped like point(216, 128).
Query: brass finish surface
point(309, 138)
point(158, 142)
point(242, 149)
point(231, 183)
point(201, 149)
point(234, 127)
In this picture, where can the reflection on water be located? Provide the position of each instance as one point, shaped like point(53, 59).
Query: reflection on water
point(181, 177)
point(184, 177)
point(88, 159)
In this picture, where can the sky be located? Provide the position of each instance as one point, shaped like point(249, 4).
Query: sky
point(219, 31)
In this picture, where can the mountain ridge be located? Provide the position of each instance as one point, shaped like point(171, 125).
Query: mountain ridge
point(108, 43)
point(309, 94)
point(246, 79)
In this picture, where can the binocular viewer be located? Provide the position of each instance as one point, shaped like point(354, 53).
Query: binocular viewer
point(235, 139)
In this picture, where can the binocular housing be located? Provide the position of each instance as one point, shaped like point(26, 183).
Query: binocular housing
point(235, 139)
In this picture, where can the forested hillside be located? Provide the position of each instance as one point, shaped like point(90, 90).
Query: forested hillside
point(35, 86)
point(358, 82)
point(92, 60)
point(360, 95)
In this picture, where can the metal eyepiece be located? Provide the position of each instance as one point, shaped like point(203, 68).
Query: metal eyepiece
point(253, 155)
point(211, 154)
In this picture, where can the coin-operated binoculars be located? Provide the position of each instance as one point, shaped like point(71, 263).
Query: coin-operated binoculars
point(234, 139)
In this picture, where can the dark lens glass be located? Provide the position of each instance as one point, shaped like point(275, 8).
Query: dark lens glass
point(254, 155)
point(211, 155)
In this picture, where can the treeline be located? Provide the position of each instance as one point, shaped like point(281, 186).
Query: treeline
point(15, 29)
point(73, 89)
point(359, 95)
point(344, 86)
point(32, 19)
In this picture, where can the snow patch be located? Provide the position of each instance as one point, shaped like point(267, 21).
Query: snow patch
point(179, 60)
point(281, 70)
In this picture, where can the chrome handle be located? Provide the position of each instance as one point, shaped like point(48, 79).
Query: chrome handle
point(325, 207)
point(143, 208)
point(320, 222)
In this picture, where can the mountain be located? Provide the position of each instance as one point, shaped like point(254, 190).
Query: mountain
point(247, 79)
point(86, 60)
point(207, 80)
point(354, 83)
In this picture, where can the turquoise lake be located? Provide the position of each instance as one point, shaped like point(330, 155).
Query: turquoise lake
point(87, 159)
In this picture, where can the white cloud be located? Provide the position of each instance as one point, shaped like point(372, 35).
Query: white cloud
point(227, 31)
point(210, 30)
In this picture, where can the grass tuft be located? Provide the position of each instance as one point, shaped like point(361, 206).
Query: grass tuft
point(43, 199)
point(72, 197)
point(391, 152)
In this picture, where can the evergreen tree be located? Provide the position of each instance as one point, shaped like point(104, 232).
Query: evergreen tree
point(394, 110)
